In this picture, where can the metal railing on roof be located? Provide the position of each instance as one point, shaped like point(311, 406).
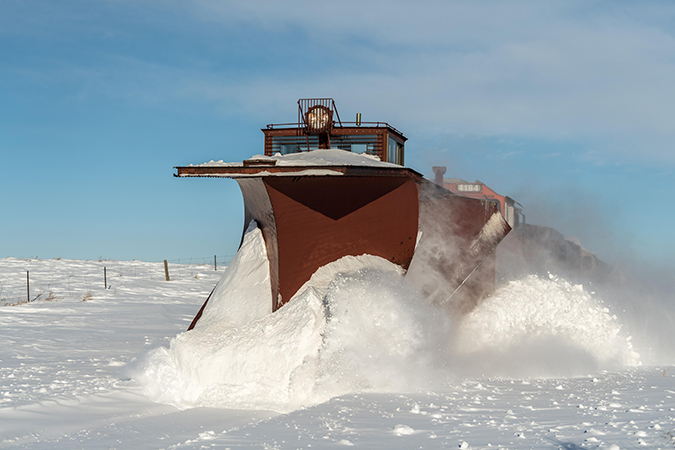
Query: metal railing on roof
point(276, 126)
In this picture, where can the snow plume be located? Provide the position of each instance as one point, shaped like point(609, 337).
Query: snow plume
point(255, 366)
point(359, 325)
point(380, 335)
point(644, 297)
point(356, 325)
point(542, 327)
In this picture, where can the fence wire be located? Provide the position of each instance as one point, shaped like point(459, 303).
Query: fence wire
point(29, 280)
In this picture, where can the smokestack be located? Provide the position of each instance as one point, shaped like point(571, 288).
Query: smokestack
point(438, 172)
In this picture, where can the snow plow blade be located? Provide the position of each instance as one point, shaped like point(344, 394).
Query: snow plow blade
point(443, 240)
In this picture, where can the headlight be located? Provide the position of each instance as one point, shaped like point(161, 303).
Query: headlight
point(318, 118)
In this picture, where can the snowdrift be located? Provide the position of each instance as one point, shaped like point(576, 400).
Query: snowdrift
point(359, 325)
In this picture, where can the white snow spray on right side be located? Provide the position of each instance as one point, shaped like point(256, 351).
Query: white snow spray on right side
point(535, 327)
point(358, 325)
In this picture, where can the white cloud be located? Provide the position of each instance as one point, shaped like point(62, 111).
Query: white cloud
point(601, 72)
point(539, 70)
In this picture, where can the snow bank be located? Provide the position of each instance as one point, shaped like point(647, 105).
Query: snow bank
point(359, 325)
point(249, 367)
point(243, 294)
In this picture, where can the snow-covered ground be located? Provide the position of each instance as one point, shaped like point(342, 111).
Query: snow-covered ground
point(360, 361)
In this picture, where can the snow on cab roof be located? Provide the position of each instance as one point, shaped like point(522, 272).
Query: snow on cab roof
point(326, 162)
point(326, 157)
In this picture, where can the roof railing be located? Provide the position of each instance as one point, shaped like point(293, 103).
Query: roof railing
point(277, 126)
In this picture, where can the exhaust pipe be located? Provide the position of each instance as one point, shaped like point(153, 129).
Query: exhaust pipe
point(439, 171)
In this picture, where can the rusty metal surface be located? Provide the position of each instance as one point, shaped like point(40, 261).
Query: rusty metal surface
point(310, 221)
point(455, 251)
point(295, 129)
point(336, 133)
point(257, 206)
point(321, 219)
point(262, 170)
point(201, 310)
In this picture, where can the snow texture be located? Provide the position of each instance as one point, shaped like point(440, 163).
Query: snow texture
point(542, 327)
point(357, 325)
point(243, 294)
point(353, 326)
point(328, 157)
point(355, 359)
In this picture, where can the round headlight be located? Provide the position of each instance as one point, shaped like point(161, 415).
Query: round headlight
point(318, 118)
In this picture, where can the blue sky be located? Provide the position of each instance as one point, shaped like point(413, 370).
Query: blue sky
point(567, 107)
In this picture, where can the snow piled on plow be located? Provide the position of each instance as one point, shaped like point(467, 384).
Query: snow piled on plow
point(358, 325)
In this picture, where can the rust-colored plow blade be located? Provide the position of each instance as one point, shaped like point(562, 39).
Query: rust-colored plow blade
point(445, 241)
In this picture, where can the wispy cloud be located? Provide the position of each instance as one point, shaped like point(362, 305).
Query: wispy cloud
point(544, 70)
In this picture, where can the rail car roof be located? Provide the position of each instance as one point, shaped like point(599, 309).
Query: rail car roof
point(316, 162)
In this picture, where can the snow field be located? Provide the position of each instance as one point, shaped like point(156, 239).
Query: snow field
point(356, 359)
point(626, 409)
point(68, 347)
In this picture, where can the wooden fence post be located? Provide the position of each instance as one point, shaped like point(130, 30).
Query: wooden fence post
point(28, 286)
point(215, 265)
point(105, 279)
point(166, 270)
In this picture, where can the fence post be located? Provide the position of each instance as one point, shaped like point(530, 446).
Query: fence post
point(166, 270)
point(105, 279)
point(215, 265)
point(28, 286)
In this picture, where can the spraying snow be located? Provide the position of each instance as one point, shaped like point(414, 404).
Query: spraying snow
point(542, 327)
point(60, 385)
point(380, 335)
point(355, 325)
point(359, 325)
point(252, 366)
